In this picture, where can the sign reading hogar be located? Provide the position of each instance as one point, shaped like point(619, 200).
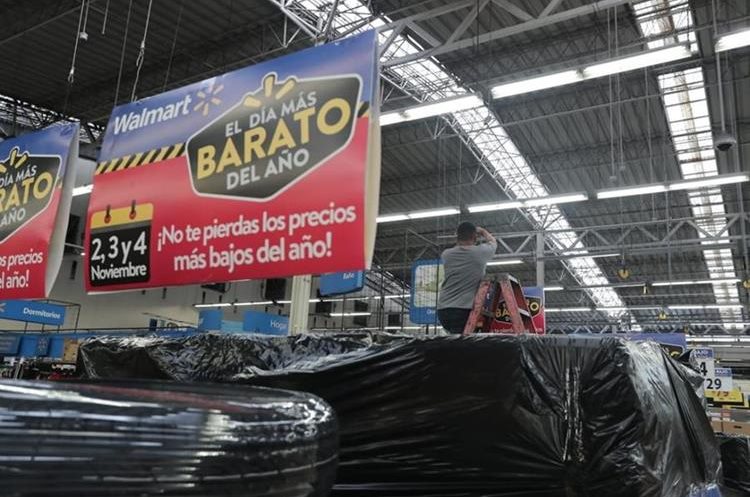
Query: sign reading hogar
point(265, 323)
point(267, 171)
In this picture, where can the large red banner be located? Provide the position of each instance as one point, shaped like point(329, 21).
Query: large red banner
point(36, 175)
point(267, 171)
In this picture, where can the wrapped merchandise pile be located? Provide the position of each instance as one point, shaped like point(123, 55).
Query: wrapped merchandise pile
point(485, 415)
point(147, 439)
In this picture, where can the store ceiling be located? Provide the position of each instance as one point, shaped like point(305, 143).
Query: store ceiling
point(584, 137)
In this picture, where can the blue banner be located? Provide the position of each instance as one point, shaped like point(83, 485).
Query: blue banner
point(210, 319)
point(32, 312)
point(341, 283)
point(267, 324)
point(426, 277)
point(9, 344)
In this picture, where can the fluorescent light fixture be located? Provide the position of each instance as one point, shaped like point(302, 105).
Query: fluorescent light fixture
point(245, 304)
point(432, 109)
point(724, 179)
point(506, 262)
point(82, 190)
point(389, 218)
point(696, 282)
point(537, 83)
point(733, 40)
point(218, 304)
point(495, 206)
point(569, 309)
point(555, 199)
point(348, 314)
point(630, 192)
point(592, 256)
point(706, 306)
point(639, 61)
point(553, 288)
point(451, 211)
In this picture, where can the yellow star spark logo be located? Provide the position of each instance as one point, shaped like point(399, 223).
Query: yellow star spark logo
point(208, 98)
point(269, 83)
point(14, 160)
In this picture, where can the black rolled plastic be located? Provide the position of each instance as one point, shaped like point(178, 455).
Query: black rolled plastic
point(735, 459)
point(163, 439)
point(480, 416)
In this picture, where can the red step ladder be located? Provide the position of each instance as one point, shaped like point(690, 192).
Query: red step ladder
point(487, 300)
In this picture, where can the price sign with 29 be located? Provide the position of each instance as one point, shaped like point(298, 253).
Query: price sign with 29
point(721, 381)
point(119, 245)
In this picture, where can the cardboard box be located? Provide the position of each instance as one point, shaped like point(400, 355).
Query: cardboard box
point(736, 427)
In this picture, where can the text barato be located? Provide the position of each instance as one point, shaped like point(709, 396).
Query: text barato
point(269, 135)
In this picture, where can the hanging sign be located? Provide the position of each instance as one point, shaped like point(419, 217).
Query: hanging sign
point(32, 312)
point(534, 299)
point(341, 283)
point(721, 380)
point(426, 278)
point(265, 323)
point(36, 186)
point(268, 171)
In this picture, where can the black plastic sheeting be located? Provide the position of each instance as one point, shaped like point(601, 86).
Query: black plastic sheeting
point(484, 415)
point(59, 439)
point(735, 457)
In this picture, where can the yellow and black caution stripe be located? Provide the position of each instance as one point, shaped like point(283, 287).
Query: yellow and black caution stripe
point(141, 159)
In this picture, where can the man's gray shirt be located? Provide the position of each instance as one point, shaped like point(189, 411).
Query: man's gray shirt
point(464, 269)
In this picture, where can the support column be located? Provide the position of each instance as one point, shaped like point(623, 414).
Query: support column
point(300, 307)
point(540, 259)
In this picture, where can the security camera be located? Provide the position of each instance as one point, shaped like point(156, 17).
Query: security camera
point(724, 141)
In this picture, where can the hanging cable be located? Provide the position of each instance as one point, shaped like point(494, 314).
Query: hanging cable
point(106, 16)
point(83, 34)
point(72, 72)
point(122, 52)
point(141, 52)
point(174, 45)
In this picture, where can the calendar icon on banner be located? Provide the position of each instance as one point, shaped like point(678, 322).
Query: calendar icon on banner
point(119, 245)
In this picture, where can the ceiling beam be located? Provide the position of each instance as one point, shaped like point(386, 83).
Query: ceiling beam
point(523, 27)
point(513, 9)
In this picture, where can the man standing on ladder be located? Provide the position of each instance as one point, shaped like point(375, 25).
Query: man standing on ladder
point(464, 268)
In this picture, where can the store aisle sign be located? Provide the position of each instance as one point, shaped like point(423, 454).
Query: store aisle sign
point(704, 361)
point(720, 381)
point(32, 312)
point(534, 299)
point(265, 323)
point(36, 187)
point(268, 171)
point(426, 278)
point(342, 283)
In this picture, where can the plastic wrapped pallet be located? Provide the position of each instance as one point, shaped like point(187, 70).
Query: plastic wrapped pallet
point(86, 440)
point(735, 458)
point(482, 416)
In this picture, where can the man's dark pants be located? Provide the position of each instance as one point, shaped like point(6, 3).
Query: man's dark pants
point(453, 319)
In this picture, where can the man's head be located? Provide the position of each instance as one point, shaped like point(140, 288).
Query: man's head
point(466, 233)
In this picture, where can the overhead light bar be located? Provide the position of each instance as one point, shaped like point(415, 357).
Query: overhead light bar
point(218, 304)
point(733, 40)
point(82, 190)
point(389, 218)
point(349, 314)
point(495, 206)
point(639, 61)
point(724, 179)
point(612, 66)
point(696, 282)
point(451, 211)
point(687, 307)
point(432, 109)
point(506, 262)
point(569, 309)
point(630, 192)
point(555, 199)
point(537, 83)
point(690, 184)
point(553, 288)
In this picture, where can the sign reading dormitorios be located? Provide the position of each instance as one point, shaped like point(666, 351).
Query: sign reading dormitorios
point(36, 182)
point(268, 171)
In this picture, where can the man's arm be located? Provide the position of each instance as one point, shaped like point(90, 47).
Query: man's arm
point(486, 235)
